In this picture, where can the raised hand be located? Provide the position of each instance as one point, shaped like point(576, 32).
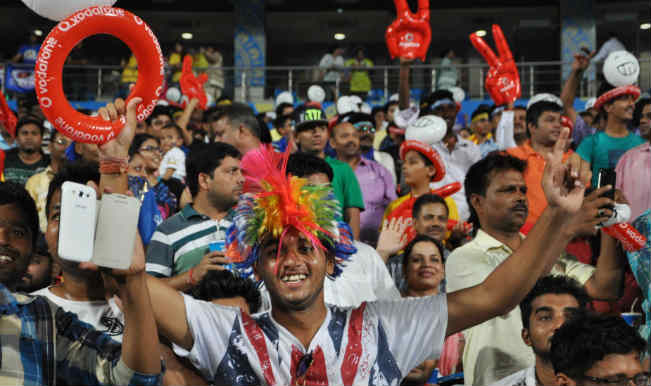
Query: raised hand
point(502, 80)
point(564, 183)
point(393, 237)
point(119, 146)
point(582, 61)
point(410, 34)
point(191, 85)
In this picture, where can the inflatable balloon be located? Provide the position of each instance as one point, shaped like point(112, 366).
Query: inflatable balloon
point(316, 93)
point(410, 34)
point(60, 9)
point(56, 47)
point(345, 104)
point(365, 108)
point(502, 79)
point(621, 68)
point(191, 85)
point(173, 95)
point(428, 129)
point(7, 117)
point(458, 94)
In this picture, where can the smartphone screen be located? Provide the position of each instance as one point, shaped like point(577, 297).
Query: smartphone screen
point(607, 177)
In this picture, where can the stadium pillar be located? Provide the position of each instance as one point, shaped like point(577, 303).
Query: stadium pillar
point(578, 29)
point(250, 49)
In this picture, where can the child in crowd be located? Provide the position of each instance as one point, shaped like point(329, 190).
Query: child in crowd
point(173, 163)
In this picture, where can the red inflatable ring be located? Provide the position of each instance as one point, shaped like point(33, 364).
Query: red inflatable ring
point(56, 47)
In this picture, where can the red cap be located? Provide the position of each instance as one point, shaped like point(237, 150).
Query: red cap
point(616, 93)
point(428, 152)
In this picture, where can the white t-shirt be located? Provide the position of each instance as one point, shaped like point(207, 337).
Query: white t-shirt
point(525, 377)
point(377, 343)
point(175, 159)
point(327, 62)
point(104, 316)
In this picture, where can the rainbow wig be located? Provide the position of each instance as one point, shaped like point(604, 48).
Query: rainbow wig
point(274, 203)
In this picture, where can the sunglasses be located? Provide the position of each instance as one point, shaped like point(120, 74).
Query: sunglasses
point(365, 126)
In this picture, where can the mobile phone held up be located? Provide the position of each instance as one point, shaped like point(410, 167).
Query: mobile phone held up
point(102, 232)
point(607, 177)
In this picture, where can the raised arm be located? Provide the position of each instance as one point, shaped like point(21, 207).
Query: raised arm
point(169, 311)
point(506, 286)
point(580, 64)
point(403, 90)
point(185, 119)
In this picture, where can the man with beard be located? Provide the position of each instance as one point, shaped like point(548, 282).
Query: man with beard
point(552, 301)
point(27, 159)
point(378, 188)
point(367, 131)
point(497, 196)
point(179, 249)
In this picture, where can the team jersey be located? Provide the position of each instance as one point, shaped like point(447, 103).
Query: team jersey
point(377, 343)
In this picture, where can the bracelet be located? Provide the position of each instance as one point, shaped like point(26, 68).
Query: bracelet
point(190, 279)
point(112, 165)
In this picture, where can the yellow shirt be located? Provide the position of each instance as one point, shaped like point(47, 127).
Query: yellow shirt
point(494, 349)
point(37, 186)
point(360, 81)
point(130, 72)
point(175, 59)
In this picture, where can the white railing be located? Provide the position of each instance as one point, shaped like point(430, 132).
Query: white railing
point(92, 82)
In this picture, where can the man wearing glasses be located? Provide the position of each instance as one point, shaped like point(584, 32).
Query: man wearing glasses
point(376, 182)
point(593, 350)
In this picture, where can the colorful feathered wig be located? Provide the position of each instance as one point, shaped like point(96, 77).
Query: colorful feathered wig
point(274, 203)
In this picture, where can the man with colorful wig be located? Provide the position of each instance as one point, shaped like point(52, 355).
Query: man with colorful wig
point(287, 233)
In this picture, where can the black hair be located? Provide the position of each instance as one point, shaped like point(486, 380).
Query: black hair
point(426, 199)
point(205, 158)
point(584, 114)
point(74, 171)
point(480, 174)
point(445, 52)
point(637, 113)
point(13, 193)
point(418, 239)
point(241, 114)
point(281, 107)
point(159, 110)
point(280, 120)
point(483, 108)
point(376, 110)
point(175, 186)
point(304, 165)
point(137, 142)
point(587, 339)
point(556, 285)
point(537, 109)
point(437, 95)
point(388, 105)
point(224, 284)
point(265, 135)
point(172, 125)
point(29, 119)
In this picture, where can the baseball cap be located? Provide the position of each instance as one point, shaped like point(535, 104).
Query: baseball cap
point(309, 116)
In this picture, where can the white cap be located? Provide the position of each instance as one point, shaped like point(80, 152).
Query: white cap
point(365, 108)
point(345, 104)
point(621, 68)
point(284, 97)
point(590, 103)
point(458, 94)
point(546, 98)
point(428, 129)
point(316, 93)
point(394, 97)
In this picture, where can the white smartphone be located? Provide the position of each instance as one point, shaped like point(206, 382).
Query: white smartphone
point(77, 222)
point(117, 225)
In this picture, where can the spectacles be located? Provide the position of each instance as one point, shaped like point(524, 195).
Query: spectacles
point(155, 149)
point(365, 126)
point(641, 379)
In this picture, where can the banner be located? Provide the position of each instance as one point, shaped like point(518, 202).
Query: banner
point(19, 78)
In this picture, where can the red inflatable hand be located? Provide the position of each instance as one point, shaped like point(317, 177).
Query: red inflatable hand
point(191, 85)
point(409, 35)
point(7, 117)
point(502, 80)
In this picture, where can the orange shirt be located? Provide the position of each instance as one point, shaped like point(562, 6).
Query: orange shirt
point(533, 178)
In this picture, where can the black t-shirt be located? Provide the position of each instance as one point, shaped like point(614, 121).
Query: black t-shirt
point(18, 171)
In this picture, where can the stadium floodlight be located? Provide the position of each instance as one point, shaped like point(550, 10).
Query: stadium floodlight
point(481, 33)
point(186, 35)
point(645, 26)
point(38, 32)
point(340, 36)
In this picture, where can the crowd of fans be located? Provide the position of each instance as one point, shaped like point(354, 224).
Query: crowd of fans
point(507, 236)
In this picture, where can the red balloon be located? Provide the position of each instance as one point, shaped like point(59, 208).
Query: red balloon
point(502, 80)
point(56, 47)
point(191, 85)
point(410, 34)
point(7, 117)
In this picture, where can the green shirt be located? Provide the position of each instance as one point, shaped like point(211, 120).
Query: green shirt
point(182, 240)
point(603, 151)
point(360, 81)
point(345, 185)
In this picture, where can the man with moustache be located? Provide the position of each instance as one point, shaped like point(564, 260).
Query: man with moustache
point(375, 181)
point(552, 301)
point(367, 132)
point(497, 197)
point(27, 158)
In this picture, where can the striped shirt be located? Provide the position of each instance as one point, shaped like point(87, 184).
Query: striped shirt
point(377, 343)
point(181, 241)
point(40, 343)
